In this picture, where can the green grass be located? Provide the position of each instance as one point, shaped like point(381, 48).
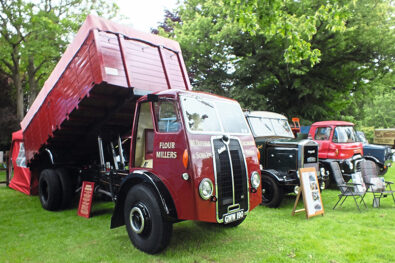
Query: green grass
point(31, 234)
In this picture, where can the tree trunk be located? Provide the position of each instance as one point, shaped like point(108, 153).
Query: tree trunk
point(32, 81)
point(19, 96)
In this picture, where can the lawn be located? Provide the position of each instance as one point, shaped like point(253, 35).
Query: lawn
point(31, 234)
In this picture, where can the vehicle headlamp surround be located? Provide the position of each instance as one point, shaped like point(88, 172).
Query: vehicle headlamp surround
point(255, 179)
point(322, 171)
point(206, 188)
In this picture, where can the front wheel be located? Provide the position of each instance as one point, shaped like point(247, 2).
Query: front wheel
point(272, 193)
point(145, 222)
point(382, 171)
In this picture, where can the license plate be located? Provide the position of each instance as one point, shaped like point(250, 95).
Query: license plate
point(229, 218)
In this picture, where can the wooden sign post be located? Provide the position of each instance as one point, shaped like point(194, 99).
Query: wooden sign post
point(310, 189)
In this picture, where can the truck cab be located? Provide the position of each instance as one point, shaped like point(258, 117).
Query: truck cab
point(381, 155)
point(337, 142)
point(281, 155)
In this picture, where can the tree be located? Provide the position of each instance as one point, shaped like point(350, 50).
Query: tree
point(34, 34)
point(8, 121)
point(312, 59)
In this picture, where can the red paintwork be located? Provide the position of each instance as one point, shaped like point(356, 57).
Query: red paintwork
point(144, 62)
point(330, 150)
point(145, 68)
point(85, 204)
point(22, 180)
point(185, 194)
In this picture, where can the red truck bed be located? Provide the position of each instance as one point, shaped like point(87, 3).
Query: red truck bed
point(95, 84)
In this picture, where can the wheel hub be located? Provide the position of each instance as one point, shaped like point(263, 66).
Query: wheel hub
point(138, 219)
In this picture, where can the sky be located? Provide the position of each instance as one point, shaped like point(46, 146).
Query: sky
point(144, 14)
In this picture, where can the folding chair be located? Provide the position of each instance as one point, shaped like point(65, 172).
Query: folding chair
point(378, 187)
point(355, 190)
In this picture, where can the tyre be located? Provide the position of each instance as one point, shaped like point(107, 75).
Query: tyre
point(145, 221)
point(50, 190)
point(381, 170)
point(325, 184)
point(67, 185)
point(272, 193)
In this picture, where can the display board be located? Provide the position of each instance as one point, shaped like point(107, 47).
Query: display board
point(85, 205)
point(310, 190)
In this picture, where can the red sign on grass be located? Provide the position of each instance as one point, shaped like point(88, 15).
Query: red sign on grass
point(84, 207)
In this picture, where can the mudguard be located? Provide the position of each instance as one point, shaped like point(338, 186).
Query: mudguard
point(272, 173)
point(138, 177)
point(374, 159)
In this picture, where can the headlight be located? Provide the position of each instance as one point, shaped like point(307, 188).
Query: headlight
point(206, 188)
point(255, 180)
point(322, 171)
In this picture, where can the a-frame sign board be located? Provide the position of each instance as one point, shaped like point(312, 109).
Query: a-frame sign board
point(310, 190)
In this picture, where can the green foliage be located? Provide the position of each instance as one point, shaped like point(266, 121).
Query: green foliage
point(315, 60)
point(34, 34)
point(267, 235)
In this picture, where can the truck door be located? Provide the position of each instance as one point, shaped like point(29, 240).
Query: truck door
point(169, 142)
point(322, 136)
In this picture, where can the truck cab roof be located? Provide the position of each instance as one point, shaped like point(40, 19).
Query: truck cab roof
point(333, 123)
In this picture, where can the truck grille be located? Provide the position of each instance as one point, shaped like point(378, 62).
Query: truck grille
point(231, 187)
point(310, 153)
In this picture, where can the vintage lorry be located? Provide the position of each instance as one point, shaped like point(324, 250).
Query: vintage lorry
point(281, 155)
point(118, 111)
point(337, 142)
point(381, 155)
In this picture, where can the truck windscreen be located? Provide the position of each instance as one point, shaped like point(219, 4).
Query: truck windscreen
point(265, 127)
point(205, 115)
point(344, 134)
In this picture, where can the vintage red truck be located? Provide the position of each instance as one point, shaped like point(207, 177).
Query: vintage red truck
point(337, 142)
point(118, 111)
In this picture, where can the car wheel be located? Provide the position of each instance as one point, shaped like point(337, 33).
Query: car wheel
point(50, 190)
point(272, 193)
point(145, 221)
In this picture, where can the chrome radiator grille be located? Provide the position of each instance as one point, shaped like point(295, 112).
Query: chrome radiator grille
point(231, 176)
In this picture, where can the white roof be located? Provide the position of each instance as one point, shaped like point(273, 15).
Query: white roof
point(266, 114)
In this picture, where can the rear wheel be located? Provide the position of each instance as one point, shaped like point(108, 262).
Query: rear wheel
point(272, 193)
point(145, 222)
point(67, 185)
point(50, 191)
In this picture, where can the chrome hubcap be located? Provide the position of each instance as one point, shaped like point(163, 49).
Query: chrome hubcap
point(137, 220)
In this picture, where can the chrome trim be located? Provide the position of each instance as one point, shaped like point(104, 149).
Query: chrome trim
point(114, 156)
point(301, 146)
point(101, 153)
point(200, 188)
point(137, 229)
point(50, 155)
point(120, 149)
point(216, 180)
